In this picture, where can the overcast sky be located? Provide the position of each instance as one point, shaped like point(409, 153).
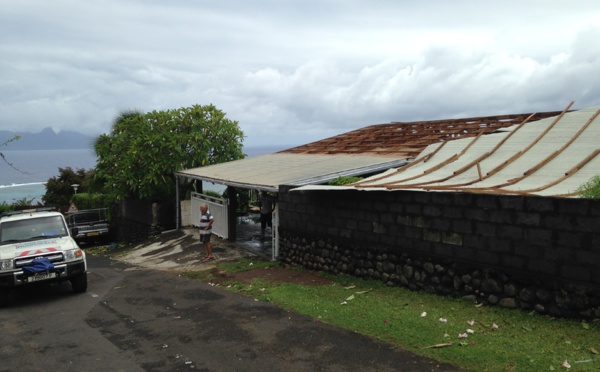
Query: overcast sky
point(292, 72)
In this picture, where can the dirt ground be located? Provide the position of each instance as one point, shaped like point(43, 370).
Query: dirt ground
point(272, 274)
point(180, 251)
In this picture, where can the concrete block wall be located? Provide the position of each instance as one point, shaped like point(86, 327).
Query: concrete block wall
point(500, 247)
point(136, 220)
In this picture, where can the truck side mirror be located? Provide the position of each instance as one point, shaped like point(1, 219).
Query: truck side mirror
point(74, 231)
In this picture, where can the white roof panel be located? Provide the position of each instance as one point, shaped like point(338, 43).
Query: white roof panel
point(552, 157)
point(269, 171)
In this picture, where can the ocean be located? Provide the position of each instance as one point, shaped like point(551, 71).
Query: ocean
point(35, 167)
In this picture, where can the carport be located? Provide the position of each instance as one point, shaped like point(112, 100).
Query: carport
point(268, 172)
point(366, 151)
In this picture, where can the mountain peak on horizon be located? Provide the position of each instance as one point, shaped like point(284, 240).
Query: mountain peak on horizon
point(47, 130)
point(46, 139)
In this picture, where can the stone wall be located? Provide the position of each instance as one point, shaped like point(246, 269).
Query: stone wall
point(136, 220)
point(512, 251)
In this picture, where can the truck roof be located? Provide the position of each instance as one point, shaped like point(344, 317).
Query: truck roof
point(29, 213)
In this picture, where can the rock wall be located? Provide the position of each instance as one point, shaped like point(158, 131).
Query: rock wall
point(137, 220)
point(532, 253)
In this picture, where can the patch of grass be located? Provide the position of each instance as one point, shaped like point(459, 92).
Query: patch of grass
point(244, 264)
point(99, 250)
point(202, 275)
point(497, 339)
point(113, 249)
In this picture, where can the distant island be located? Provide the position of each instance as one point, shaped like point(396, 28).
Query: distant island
point(47, 139)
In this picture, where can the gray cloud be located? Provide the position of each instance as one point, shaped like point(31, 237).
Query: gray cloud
point(293, 72)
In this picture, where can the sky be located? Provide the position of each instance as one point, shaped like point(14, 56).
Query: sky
point(293, 72)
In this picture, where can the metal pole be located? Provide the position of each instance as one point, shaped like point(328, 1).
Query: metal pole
point(177, 204)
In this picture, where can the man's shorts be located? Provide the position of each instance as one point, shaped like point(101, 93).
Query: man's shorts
point(205, 238)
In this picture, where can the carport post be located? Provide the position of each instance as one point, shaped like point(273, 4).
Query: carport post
point(232, 213)
point(177, 205)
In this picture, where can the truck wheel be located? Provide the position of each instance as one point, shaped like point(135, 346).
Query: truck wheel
point(79, 283)
point(4, 293)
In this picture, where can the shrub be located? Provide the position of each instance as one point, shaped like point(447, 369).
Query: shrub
point(5, 208)
point(340, 181)
point(590, 189)
point(212, 193)
point(242, 200)
point(91, 201)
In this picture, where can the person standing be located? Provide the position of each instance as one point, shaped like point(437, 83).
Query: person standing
point(266, 213)
point(206, 221)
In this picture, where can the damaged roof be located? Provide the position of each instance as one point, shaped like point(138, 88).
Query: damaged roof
point(408, 139)
point(549, 157)
point(369, 150)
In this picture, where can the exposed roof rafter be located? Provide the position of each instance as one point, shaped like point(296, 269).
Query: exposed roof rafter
point(408, 139)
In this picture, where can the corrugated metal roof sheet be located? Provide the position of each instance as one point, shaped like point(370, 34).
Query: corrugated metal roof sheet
point(269, 171)
point(363, 151)
point(551, 157)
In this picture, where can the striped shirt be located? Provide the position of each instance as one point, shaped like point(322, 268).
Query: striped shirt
point(205, 220)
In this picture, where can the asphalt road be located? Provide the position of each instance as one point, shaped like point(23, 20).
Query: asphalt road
point(138, 319)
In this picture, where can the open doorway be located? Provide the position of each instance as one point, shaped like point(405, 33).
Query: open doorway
point(254, 231)
point(257, 230)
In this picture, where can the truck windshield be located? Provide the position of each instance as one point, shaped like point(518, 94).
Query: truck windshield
point(32, 229)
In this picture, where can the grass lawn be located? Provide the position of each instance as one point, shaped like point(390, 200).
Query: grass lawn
point(471, 336)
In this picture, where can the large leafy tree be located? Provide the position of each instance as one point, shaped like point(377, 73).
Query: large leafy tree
point(59, 190)
point(140, 155)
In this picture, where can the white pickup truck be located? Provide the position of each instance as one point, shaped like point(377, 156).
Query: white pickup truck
point(36, 247)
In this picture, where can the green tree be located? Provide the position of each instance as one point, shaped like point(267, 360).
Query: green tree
point(140, 155)
point(59, 190)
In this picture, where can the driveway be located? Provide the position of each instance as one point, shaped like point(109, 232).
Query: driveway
point(178, 251)
point(135, 317)
point(161, 321)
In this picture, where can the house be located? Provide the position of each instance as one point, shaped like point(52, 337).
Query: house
point(493, 220)
point(477, 208)
point(363, 152)
point(550, 157)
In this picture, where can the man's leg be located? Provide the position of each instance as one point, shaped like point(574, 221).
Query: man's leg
point(208, 249)
point(203, 240)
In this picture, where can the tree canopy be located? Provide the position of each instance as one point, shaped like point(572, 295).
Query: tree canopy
point(140, 155)
point(59, 190)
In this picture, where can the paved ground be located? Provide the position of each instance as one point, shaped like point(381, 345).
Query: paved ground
point(163, 322)
point(249, 334)
point(180, 250)
point(137, 319)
